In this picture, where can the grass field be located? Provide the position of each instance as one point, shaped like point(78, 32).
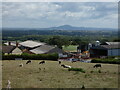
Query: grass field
point(55, 76)
point(70, 48)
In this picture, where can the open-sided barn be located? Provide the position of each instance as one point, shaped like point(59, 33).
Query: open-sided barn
point(109, 49)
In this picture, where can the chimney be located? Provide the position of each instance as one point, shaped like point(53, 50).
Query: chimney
point(9, 43)
point(16, 44)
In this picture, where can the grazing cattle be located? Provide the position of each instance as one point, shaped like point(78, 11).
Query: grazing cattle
point(66, 66)
point(39, 69)
point(28, 62)
point(73, 61)
point(59, 62)
point(21, 65)
point(97, 65)
point(42, 62)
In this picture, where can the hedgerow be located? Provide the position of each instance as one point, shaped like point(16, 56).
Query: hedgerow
point(108, 60)
point(24, 56)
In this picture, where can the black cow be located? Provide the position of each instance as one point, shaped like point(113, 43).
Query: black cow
point(73, 61)
point(28, 62)
point(59, 62)
point(42, 62)
point(97, 65)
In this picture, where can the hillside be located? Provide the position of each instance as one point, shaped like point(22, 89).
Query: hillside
point(63, 27)
point(52, 75)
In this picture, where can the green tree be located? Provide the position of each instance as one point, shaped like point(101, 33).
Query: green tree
point(57, 40)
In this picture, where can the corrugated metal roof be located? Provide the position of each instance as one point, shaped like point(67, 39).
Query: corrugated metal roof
point(31, 44)
point(56, 50)
point(105, 47)
point(113, 43)
point(115, 46)
point(13, 43)
point(42, 49)
point(46, 49)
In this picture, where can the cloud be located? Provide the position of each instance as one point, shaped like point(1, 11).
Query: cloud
point(28, 10)
point(58, 12)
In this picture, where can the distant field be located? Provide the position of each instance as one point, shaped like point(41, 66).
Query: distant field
point(55, 76)
point(71, 48)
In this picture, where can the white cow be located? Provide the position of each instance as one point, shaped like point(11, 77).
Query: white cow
point(66, 66)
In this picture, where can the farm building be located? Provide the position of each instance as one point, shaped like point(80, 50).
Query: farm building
point(11, 50)
point(110, 43)
point(47, 49)
point(111, 49)
point(29, 44)
point(12, 43)
point(31, 47)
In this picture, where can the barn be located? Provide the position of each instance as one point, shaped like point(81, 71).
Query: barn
point(29, 44)
point(107, 49)
point(31, 47)
point(47, 49)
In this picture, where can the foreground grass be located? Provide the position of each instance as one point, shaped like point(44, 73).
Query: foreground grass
point(52, 75)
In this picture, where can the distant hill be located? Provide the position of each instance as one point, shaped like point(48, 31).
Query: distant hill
point(69, 27)
point(63, 27)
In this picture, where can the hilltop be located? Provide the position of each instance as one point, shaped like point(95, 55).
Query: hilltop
point(62, 27)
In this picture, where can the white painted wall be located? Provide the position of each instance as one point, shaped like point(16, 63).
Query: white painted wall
point(114, 52)
point(16, 51)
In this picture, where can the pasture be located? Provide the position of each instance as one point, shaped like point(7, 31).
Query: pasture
point(70, 48)
point(52, 75)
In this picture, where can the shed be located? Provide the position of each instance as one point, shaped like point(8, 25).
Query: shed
point(105, 50)
point(45, 49)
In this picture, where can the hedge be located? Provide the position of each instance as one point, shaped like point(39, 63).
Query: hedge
point(53, 56)
point(110, 61)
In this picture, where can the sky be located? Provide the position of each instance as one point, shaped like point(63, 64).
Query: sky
point(51, 14)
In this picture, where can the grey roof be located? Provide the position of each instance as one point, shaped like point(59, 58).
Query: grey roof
point(13, 43)
point(113, 43)
point(115, 46)
point(105, 47)
point(56, 50)
point(8, 49)
point(46, 49)
point(31, 44)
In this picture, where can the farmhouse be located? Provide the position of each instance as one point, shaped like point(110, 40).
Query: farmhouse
point(11, 50)
point(106, 49)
